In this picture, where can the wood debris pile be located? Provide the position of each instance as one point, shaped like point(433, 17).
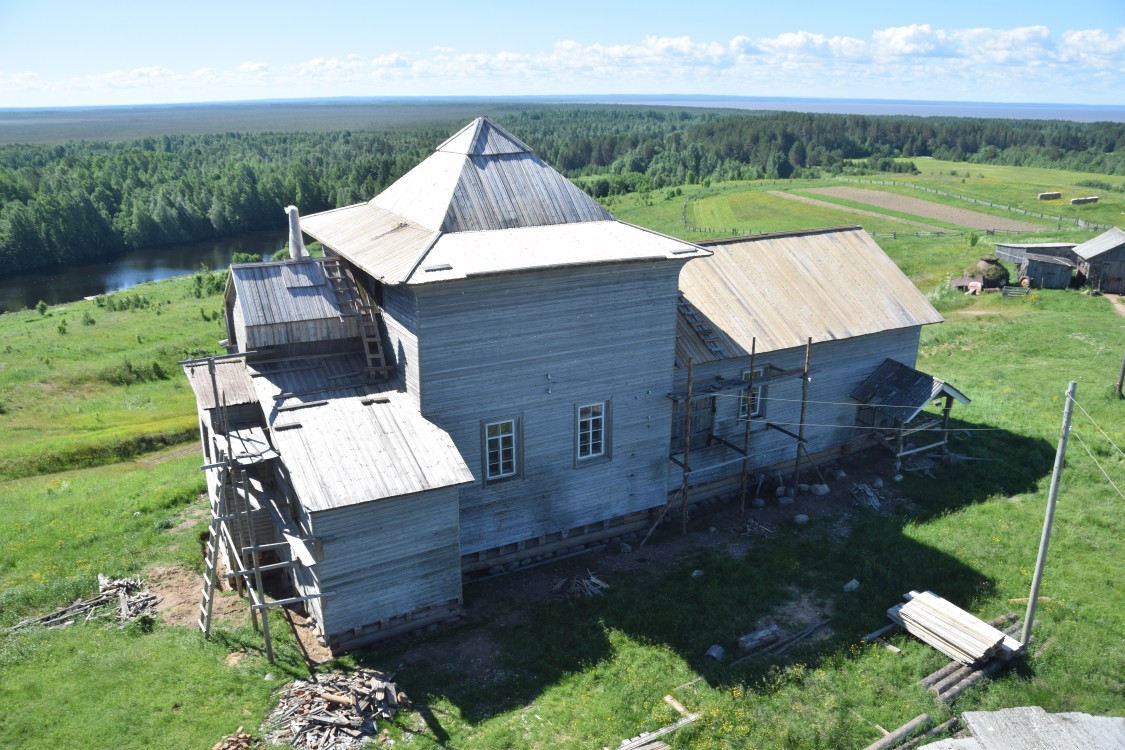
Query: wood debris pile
point(950, 629)
point(587, 585)
point(128, 596)
point(337, 712)
point(866, 495)
point(752, 528)
point(239, 740)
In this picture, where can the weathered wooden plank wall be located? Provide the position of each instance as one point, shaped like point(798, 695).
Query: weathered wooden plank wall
point(837, 367)
point(532, 346)
point(387, 558)
point(400, 318)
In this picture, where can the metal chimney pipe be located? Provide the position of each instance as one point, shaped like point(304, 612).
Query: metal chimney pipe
point(296, 244)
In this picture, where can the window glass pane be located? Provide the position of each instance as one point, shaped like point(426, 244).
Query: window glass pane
point(500, 449)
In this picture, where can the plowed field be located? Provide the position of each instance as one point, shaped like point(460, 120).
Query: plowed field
point(926, 209)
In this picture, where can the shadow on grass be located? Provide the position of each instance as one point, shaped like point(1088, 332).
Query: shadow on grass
point(669, 608)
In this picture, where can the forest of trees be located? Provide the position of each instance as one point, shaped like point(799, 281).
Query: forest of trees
point(84, 201)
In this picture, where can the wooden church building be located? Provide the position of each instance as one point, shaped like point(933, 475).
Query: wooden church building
point(487, 369)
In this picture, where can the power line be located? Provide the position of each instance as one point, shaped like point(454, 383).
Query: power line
point(1092, 458)
point(1093, 422)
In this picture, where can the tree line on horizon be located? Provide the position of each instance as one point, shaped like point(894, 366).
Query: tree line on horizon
point(84, 201)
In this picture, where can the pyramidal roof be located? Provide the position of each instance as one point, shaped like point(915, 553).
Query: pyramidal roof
point(484, 178)
point(482, 203)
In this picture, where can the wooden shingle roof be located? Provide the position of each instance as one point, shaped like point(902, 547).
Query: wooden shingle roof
point(286, 291)
point(900, 392)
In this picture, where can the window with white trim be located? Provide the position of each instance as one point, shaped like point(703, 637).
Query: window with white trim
point(500, 450)
point(591, 431)
point(750, 400)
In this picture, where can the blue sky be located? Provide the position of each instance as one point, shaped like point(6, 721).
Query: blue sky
point(66, 53)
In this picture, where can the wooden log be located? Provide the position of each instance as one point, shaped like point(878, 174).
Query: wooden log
point(901, 733)
point(676, 705)
point(986, 671)
point(940, 674)
point(759, 638)
point(945, 726)
point(952, 679)
point(880, 632)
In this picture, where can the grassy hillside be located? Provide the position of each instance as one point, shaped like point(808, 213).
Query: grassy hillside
point(586, 672)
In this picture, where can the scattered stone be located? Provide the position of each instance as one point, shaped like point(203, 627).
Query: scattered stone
point(781, 491)
point(802, 488)
point(786, 500)
point(839, 474)
point(625, 548)
point(851, 585)
point(717, 652)
point(898, 477)
point(819, 489)
point(800, 519)
point(697, 573)
point(712, 530)
point(877, 483)
point(758, 502)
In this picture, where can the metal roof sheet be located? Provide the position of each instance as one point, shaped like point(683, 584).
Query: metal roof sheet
point(1111, 239)
point(284, 292)
point(382, 243)
point(345, 441)
point(464, 254)
point(781, 289)
point(900, 392)
point(231, 380)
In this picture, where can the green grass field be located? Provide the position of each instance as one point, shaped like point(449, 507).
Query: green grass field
point(580, 673)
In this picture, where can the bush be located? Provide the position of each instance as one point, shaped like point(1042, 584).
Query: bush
point(62, 327)
point(41, 307)
point(87, 318)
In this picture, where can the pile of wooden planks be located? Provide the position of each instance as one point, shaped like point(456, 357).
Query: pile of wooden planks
point(587, 585)
point(337, 712)
point(752, 528)
point(950, 629)
point(128, 596)
point(955, 678)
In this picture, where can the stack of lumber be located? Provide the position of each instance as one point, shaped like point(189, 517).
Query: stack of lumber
point(128, 596)
point(587, 585)
point(336, 712)
point(752, 528)
point(948, 628)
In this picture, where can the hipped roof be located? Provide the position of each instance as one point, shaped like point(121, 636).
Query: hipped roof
point(782, 289)
point(482, 181)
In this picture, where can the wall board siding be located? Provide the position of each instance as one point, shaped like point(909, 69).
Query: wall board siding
point(387, 558)
point(400, 319)
point(837, 368)
point(532, 346)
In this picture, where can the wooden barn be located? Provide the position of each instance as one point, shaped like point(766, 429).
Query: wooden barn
point(488, 370)
point(1046, 265)
point(1102, 261)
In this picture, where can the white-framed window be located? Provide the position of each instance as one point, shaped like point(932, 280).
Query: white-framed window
point(501, 449)
point(751, 400)
point(591, 430)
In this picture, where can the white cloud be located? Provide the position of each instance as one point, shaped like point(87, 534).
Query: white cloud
point(252, 67)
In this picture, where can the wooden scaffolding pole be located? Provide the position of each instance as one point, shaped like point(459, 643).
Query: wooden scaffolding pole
point(801, 425)
point(750, 403)
point(687, 448)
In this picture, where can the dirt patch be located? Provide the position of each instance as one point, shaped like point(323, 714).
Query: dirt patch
point(850, 210)
point(1118, 304)
point(927, 209)
point(180, 592)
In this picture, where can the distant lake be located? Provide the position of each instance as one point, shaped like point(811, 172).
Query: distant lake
point(134, 267)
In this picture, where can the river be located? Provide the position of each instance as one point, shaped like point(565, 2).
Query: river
point(134, 267)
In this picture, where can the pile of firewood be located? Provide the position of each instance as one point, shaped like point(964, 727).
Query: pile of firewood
point(239, 740)
point(127, 594)
point(336, 712)
point(587, 585)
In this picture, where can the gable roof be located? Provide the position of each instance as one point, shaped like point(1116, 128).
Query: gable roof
point(481, 180)
point(900, 392)
point(781, 289)
point(1111, 239)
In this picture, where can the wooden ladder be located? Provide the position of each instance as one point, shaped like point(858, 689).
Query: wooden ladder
point(355, 302)
point(211, 562)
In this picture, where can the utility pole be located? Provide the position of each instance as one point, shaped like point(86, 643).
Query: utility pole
point(1052, 496)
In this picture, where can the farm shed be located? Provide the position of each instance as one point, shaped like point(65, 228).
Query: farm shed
point(892, 400)
point(780, 330)
point(1102, 261)
point(1047, 265)
point(477, 377)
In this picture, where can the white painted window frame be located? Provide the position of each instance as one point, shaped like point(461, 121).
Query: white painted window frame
point(584, 436)
point(759, 396)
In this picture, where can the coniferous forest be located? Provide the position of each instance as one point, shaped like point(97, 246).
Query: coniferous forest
point(82, 201)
